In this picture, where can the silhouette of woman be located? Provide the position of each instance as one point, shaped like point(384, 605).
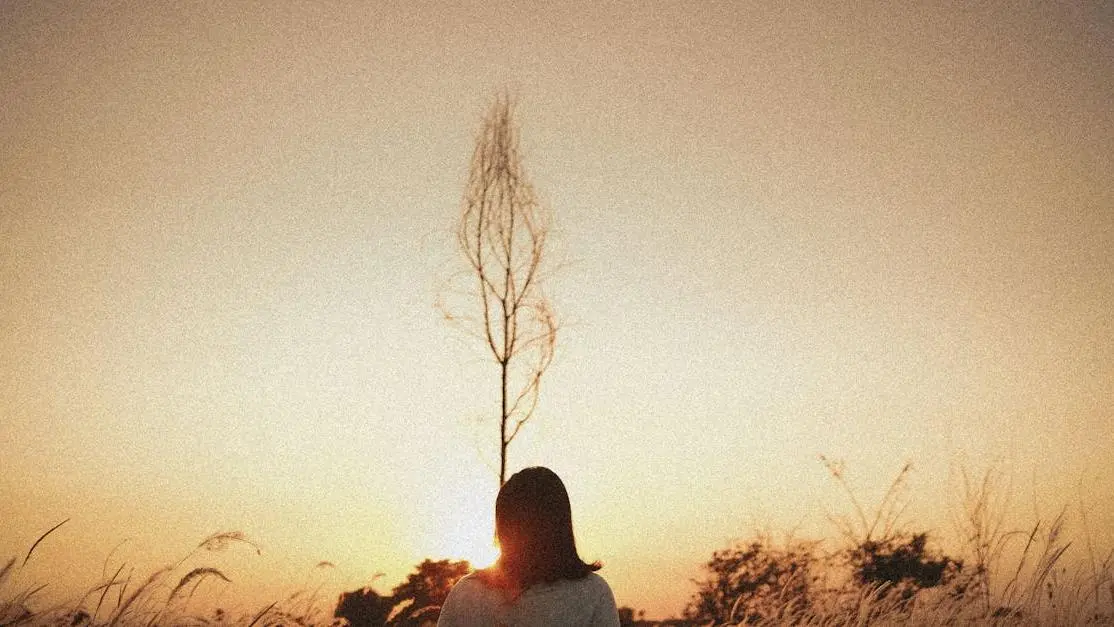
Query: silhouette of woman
point(539, 579)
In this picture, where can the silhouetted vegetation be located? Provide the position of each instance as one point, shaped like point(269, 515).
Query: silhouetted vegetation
point(364, 607)
point(163, 597)
point(755, 581)
point(502, 234)
point(903, 563)
point(761, 582)
point(879, 572)
point(412, 603)
point(884, 573)
point(627, 617)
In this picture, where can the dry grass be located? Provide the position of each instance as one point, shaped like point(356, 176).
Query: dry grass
point(1041, 590)
point(1049, 580)
point(1032, 585)
point(162, 598)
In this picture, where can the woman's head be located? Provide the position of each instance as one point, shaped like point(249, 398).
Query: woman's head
point(533, 521)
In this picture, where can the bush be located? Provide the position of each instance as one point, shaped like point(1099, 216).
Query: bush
point(416, 601)
point(902, 563)
point(755, 581)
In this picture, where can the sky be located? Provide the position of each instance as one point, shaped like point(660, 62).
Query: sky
point(879, 232)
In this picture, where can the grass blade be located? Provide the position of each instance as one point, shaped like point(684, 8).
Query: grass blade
point(6, 570)
point(135, 595)
point(198, 574)
point(111, 582)
point(262, 614)
point(32, 549)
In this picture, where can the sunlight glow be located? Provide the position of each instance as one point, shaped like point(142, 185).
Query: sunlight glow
point(464, 527)
point(475, 543)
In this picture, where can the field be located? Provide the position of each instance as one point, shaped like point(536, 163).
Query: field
point(1034, 583)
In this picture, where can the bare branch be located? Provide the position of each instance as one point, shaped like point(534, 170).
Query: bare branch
point(501, 233)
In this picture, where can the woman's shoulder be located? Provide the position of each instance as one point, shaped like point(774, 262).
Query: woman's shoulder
point(590, 585)
point(598, 585)
point(470, 602)
point(476, 581)
point(471, 578)
point(473, 590)
point(594, 581)
point(489, 584)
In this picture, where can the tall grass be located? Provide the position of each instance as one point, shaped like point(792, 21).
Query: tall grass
point(1034, 575)
point(1047, 593)
point(163, 597)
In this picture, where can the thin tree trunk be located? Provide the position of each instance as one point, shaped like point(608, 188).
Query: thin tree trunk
point(503, 428)
point(502, 233)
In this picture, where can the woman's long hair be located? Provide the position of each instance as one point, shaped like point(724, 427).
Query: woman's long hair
point(533, 522)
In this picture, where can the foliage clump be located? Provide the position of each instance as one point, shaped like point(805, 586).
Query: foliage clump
point(902, 562)
point(414, 602)
point(882, 572)
point(755, 581)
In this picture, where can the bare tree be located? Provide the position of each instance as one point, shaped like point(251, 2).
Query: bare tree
point(502, 234)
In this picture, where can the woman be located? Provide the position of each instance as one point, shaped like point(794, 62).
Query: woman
point(539, 579)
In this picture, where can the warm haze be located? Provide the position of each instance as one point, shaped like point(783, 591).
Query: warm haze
point(877, 232)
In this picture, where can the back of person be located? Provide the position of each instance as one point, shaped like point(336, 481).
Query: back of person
point(584, 602)
point(540, 579)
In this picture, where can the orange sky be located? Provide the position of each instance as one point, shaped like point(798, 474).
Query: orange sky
point(882, 233)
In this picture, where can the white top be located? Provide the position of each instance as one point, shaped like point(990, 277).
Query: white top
point(586, 602)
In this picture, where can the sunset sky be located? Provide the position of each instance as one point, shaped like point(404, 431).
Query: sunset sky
point(874, 231)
